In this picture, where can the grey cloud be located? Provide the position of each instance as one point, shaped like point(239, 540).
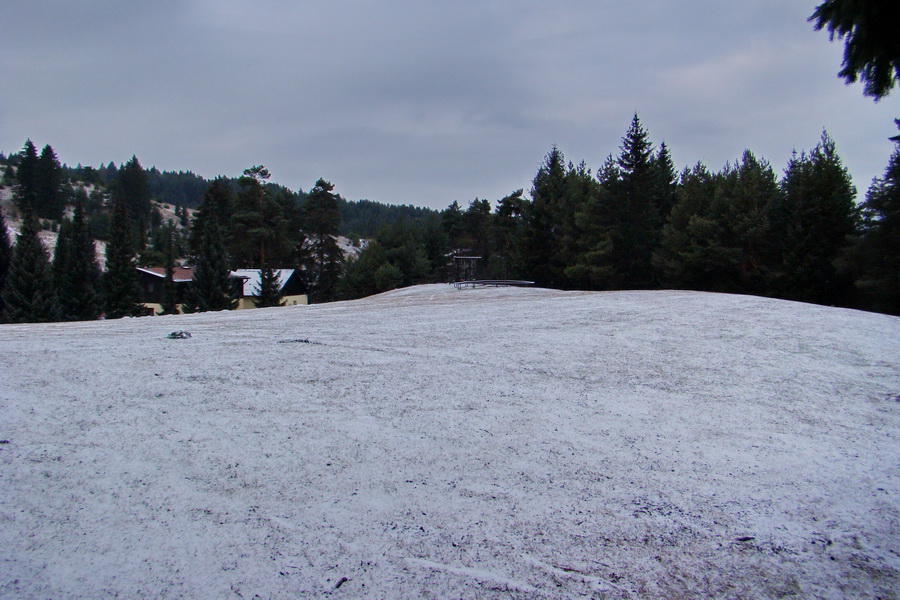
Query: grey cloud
point(423, 102)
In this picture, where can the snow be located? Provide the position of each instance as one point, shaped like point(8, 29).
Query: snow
point(443, 443)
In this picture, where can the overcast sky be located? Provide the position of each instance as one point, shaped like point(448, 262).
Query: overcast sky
point(425, 102)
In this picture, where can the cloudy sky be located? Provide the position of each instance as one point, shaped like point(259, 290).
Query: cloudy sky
point(425, 102)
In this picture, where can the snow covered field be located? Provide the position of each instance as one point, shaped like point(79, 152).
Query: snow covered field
point(443, 443)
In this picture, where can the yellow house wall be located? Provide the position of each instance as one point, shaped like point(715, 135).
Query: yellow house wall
point(299, 299)
point(243, 303)
point(158, 309)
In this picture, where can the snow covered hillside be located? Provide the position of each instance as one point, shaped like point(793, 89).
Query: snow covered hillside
point(442, 443)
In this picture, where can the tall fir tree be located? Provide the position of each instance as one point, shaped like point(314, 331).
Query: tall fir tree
point(121, 290)
point(541, 241)
point(81, 301)
point(665, 184)
point(869, 30)
point(320, 256)
point(268, 292)
point(28, 292)
point(591, 266)
point(62, 259)
point(211, 287)
point(812, 222)
point(741, 207)
point(6, 251)
point(507, 230)
point(50, 197)
point(634, 207)
point(132, 187)
point(877, 252)
point(26, 189)
point(257, 232)
point(218, 204)
point(170, 291)
point(690, 255)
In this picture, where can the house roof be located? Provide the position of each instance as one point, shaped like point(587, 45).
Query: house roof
point(252, 278)
point(181, 275)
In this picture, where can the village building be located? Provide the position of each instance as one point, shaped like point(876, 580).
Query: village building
point(293, 291)
point(246, 287)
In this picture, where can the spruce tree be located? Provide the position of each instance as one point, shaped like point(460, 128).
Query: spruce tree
point(690, 255)
point(49, 196)
point(811, 223)
point(740, 209)
point(320, 255)
point(217, 203)
point(589, 244)
point(132, 187)
point(869, 30)
point(28, 292)
point(637, 220)
point(62, 259)
point(170, 291)
point(508, 231)
point(257, 232)
point(121, 290)
point(26, 189)
point(211, 286)
point(665, 186)
point(542, 243)
point(877, 253)
point(82, 299)
point(6, 251)
point(268, 292)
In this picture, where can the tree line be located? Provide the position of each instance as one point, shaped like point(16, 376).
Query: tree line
point(634, 224)
point(638, 224)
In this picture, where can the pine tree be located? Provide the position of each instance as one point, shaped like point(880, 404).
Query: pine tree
point(50, 199)
point(320, 256)
point(28, 294)
point(268, 292)
point(170, 291)
point(25, 191)
point(121, 290)
point(257, 232)
point(871, 51)
point(6, 251)
point(877, 253)
point(452, 222)
point(508, 231)
point(638, 220)
point(82, 299)
point(217, 203)
point(811, 224)
point(133, 188)
point(589, 244)
point(740, 210)
point(542, 244)
point(211, 286)
point(689, 255)
point(665, 186)
point(62, 259)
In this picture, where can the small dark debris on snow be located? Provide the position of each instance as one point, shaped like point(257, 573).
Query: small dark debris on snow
point(746, 538)
point(299, 341)
point(341, 582)
point(4, 441)
point(179, 335)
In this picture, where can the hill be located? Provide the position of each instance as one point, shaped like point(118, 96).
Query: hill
point(430, 442)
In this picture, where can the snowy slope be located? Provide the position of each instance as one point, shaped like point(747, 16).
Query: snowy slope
point(442, 443)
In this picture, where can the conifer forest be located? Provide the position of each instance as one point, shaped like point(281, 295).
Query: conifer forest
point(636, 222)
